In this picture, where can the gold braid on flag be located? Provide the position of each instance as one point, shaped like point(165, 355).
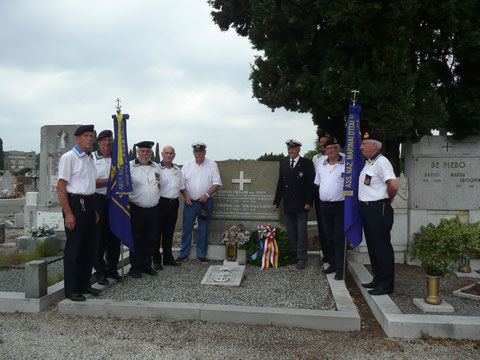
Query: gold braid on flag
point(119, 142)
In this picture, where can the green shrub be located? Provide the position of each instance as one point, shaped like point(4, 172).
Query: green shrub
point(438, 247)
point(44, 249)
point(54, 279)
point(285, 252)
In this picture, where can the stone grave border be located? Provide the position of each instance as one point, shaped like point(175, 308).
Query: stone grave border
point(345, 318)
point(411, 326)
point(11, 302)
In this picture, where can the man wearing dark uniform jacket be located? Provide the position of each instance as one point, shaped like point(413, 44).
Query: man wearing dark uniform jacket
point(295, 186)
point(378, 187)
point(107, 245)
point(143, 209)
point(75, 188)
point(172, 183)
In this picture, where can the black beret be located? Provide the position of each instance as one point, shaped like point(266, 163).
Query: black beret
point(145, 144)
point(83, 129)
point(372, 136)
point(331, 141)
point(104, 134)
point(324, 134)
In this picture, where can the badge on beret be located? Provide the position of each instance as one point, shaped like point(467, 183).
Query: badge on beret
point(366, 135)
point(368, 180)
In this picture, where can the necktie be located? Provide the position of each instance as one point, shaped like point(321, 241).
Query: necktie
point(293, 163)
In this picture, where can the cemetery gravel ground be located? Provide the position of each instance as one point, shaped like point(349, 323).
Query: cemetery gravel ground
point(51, 335)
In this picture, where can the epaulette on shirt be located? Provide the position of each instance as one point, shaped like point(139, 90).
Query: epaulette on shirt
point(340, 160)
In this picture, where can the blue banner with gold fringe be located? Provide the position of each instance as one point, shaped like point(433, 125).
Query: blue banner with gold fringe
point(120, 183)
point(353, 167)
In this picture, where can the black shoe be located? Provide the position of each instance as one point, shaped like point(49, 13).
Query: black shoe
point(301, 264)
point(77, 297)
point(370, 285)
point(328, 270)
point(115, 276)
point(338, 276)
point(158, 266)
point(91, 290)
point(102, 280)
point(172, 263)
point(180, 259)
point(149, 271)
point(380, 291)
point(203, 260)
point(136, 274)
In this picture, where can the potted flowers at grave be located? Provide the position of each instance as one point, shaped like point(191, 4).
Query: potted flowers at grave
point(437, 249)
point(234, 237)
point(44, 235)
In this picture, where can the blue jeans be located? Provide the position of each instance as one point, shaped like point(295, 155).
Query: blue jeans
point(189, 215)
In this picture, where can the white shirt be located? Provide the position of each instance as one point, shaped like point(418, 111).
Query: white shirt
point(146, 184)
point(318, 159)
point(372, 181)
point(171, 181)
point(330, 179)
point(78, 170)
point(200, 178)
point(103, 165)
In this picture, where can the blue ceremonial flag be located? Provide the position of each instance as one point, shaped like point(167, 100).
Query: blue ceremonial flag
point(120, 183)
point(353, 167)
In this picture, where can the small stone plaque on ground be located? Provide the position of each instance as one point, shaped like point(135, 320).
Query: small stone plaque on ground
point(224, 275)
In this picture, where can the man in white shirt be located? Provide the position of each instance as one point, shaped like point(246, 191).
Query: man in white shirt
point(75, 188)
point(202, 180)
point(323, 137)
point(172, 183)
point(378, 187)
point(330, 177)
point(143, 209)
point(107, 245)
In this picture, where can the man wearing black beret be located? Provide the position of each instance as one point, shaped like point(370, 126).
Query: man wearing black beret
point(75, 188)
point(107, 245)
point(377, 188)
point(295, 186)
point(143, 209)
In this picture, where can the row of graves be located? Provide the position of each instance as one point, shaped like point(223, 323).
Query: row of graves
point(441, 180)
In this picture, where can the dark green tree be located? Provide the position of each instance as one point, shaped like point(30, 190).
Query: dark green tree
point(95, 144)
point(1, 155)
point(272, 157)
point(409, 60)
point(157, 153)
point(133, 153)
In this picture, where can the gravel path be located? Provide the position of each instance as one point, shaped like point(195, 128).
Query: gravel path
point(282, 287)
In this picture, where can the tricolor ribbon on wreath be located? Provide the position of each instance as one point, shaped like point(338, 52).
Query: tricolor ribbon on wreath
point(268, 246)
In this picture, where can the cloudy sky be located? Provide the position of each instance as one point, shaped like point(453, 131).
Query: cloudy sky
point(178, 76)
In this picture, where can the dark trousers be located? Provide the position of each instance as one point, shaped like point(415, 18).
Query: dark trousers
point(377, 219)
point(107, 245)
point(332, 219)
point(321, 233)
point(144, 233)
point(167, 219)
point(297, 233)
point(79, 248)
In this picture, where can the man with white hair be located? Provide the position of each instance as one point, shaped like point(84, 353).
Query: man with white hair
point(295, 186)
point(378, 187)
point(172, 184)
point(202, 180)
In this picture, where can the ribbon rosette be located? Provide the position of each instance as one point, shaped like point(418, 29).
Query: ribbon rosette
point(268, 247)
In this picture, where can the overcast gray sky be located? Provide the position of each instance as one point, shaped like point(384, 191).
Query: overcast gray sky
point(178, 76)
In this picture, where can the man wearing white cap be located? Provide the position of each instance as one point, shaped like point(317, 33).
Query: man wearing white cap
point(295, 186)
point(202, 180)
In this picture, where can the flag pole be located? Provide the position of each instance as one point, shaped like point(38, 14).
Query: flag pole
point(118, 107)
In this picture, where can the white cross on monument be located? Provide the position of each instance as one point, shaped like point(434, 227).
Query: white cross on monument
point(242, 180)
